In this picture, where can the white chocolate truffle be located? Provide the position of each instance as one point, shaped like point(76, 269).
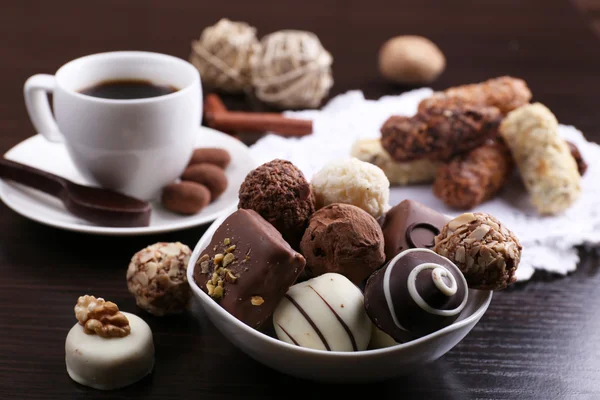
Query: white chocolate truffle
point(380, 339)
point(324, 313)
point(110, 363)
point(351, 181)
point(157, 278)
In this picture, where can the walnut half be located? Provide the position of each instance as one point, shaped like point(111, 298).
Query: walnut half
point(101, 317)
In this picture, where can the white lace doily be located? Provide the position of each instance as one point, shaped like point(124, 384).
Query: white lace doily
point(548, 242)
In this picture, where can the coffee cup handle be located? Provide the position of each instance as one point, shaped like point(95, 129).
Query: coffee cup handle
point(36, 92)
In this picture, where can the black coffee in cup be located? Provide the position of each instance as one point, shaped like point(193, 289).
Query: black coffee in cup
point(126, 89)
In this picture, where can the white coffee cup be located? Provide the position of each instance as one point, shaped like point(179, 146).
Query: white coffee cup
point(132, 146)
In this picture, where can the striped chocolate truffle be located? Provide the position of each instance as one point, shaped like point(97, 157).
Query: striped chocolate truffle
point(418, 292)
point(324, 313)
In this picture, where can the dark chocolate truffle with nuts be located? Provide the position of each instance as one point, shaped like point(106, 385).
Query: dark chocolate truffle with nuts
point(486, 252)
point(344, 239)
point(280, 193)
point(247, 268)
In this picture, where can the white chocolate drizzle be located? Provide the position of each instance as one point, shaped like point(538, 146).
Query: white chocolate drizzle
point(439, 272)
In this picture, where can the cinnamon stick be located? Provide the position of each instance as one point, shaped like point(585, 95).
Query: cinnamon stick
point(213, 104)
point(259, 123)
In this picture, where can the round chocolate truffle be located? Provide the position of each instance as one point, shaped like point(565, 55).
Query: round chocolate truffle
point(157, 278)
point(418, 292)
point(344, 239)
point(487, 253)
point(280, 193)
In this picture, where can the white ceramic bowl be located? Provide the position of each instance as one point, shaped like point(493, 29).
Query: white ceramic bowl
point(318, 365)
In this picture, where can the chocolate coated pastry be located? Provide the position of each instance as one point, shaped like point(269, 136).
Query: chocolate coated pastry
point(418, 292)
point(506, 93)
point(486, 252)
point(344, 239)
point(581, 164)
point(472, 178)
point(439, 132)
point(410, 225)
point(279, 192)
point(247, 267)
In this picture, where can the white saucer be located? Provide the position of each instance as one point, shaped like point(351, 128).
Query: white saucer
point(52, 157)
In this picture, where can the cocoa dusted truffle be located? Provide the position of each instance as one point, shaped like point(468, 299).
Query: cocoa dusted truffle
point(418, 292)
point(247, 268)
point(486, 252)
point(344, 239)
point(279, 192)
point(410, 225)
point(439, 132)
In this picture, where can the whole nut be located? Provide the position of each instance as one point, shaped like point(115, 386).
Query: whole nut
point(411, 60)
point(211, 155)
point(185, 197)
point(209, 175)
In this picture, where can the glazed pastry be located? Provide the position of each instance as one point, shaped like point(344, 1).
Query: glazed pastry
point(107, 349)
point(505, 93)
point(398, 173)
point(324, 313)
point(544, 159)
point(439, 132)
point(418, 292)
point(475, 177)
point(486, 252)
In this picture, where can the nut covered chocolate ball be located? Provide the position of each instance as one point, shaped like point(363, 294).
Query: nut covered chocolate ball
point(418, 292)
point(156, 276)
point(280, 193)
point(344, 239)
point(486, 252)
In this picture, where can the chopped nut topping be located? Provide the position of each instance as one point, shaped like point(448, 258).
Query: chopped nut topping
point(256, 300)
point(205, 257)
point(230, 276)
point(230, 249)
point(226, 241)
point(218, 258)
point(204, 267)
point(101, 317)
point(485, 251)
point(228, 259)
point(219, 276)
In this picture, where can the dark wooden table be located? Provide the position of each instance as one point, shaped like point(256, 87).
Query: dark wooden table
point(538, 340)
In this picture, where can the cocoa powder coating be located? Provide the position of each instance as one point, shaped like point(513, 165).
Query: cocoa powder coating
point(280, 193)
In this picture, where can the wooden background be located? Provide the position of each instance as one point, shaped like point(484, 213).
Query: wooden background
point(538, 340)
